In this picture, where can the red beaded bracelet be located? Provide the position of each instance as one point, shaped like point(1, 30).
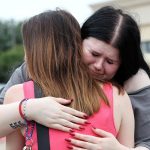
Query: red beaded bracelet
point(20, 109)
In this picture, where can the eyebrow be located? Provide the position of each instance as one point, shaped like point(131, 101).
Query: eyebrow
point(116, 61)
point(90, 49)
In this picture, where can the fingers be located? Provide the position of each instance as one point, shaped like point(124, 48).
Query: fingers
point(73, 116)
point(75, 148)
point(62, 101)
point(69, 124)
point(81, 145)
point(60, 127)
point(86, 138)
point(74, 119)
point(74, 112)
point(101, 133)
point(68, 109)
point(66, 120)
point(58, 116)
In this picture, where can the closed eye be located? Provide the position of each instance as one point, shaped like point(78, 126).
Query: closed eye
point(95, 54)
point(110, 61)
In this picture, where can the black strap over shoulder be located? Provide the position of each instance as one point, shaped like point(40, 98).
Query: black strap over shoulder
point(42, 131)
point(42, 137)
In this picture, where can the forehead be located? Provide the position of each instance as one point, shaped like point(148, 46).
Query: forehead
point(99, 46)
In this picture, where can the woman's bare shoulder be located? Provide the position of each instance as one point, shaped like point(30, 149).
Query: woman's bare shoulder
point(14, 93)
point(121, 103)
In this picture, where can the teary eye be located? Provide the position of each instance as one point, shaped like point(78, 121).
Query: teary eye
point(110, 61)
point(95, 54)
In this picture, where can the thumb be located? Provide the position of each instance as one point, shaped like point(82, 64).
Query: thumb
point(101, 132)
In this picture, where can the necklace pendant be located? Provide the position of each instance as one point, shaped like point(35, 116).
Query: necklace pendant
point(27, 148)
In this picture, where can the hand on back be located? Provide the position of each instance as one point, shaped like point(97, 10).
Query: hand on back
point(52, 112)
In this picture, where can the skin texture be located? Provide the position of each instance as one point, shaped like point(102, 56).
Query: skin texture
point(101, 58)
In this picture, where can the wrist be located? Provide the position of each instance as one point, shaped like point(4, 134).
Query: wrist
point(22, 109)
point(30, 109)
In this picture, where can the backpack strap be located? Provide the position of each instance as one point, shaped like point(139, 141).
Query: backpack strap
point(42, 131)
point(43, 137)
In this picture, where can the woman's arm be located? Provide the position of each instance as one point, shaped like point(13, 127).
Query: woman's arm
point(125, 134)
point(10, 117)
point(15, 140)
point(47, 107)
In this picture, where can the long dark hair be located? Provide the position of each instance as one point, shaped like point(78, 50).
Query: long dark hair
point(120, 30)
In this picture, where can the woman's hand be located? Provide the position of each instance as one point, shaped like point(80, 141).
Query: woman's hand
point(104, 141)
point(50, 112)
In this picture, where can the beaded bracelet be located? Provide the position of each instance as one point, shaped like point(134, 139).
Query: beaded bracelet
point(29, 125)
point(22, 109)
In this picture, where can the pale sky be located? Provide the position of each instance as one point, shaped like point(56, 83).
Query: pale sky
point(22, 9)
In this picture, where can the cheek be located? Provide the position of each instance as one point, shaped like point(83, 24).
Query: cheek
point(111, 70)
point(87, 59)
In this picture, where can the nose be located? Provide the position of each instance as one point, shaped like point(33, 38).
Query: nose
point(99, 65)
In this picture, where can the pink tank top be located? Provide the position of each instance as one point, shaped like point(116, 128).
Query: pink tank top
point(103, 119)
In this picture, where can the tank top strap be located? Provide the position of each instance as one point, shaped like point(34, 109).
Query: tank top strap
point(28, 88)
point(40, 132)
point(108, 90)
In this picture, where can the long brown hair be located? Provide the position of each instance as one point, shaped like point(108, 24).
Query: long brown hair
point(53, 48)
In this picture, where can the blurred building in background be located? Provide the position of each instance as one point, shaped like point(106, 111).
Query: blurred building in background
point(140, 10)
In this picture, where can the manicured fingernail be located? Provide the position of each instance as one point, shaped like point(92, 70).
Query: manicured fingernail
point(69, 147)
point(68, 140)
point(81, 127)
point(72, 134)
point(85, 116)
point(71, 99)
point(71, 130)
point(87, 122)
point(93, 127)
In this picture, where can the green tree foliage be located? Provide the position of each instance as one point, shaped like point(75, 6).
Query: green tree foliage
point(10, 34)
point(18, 36)
point(11, 50)
point(9, 60)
